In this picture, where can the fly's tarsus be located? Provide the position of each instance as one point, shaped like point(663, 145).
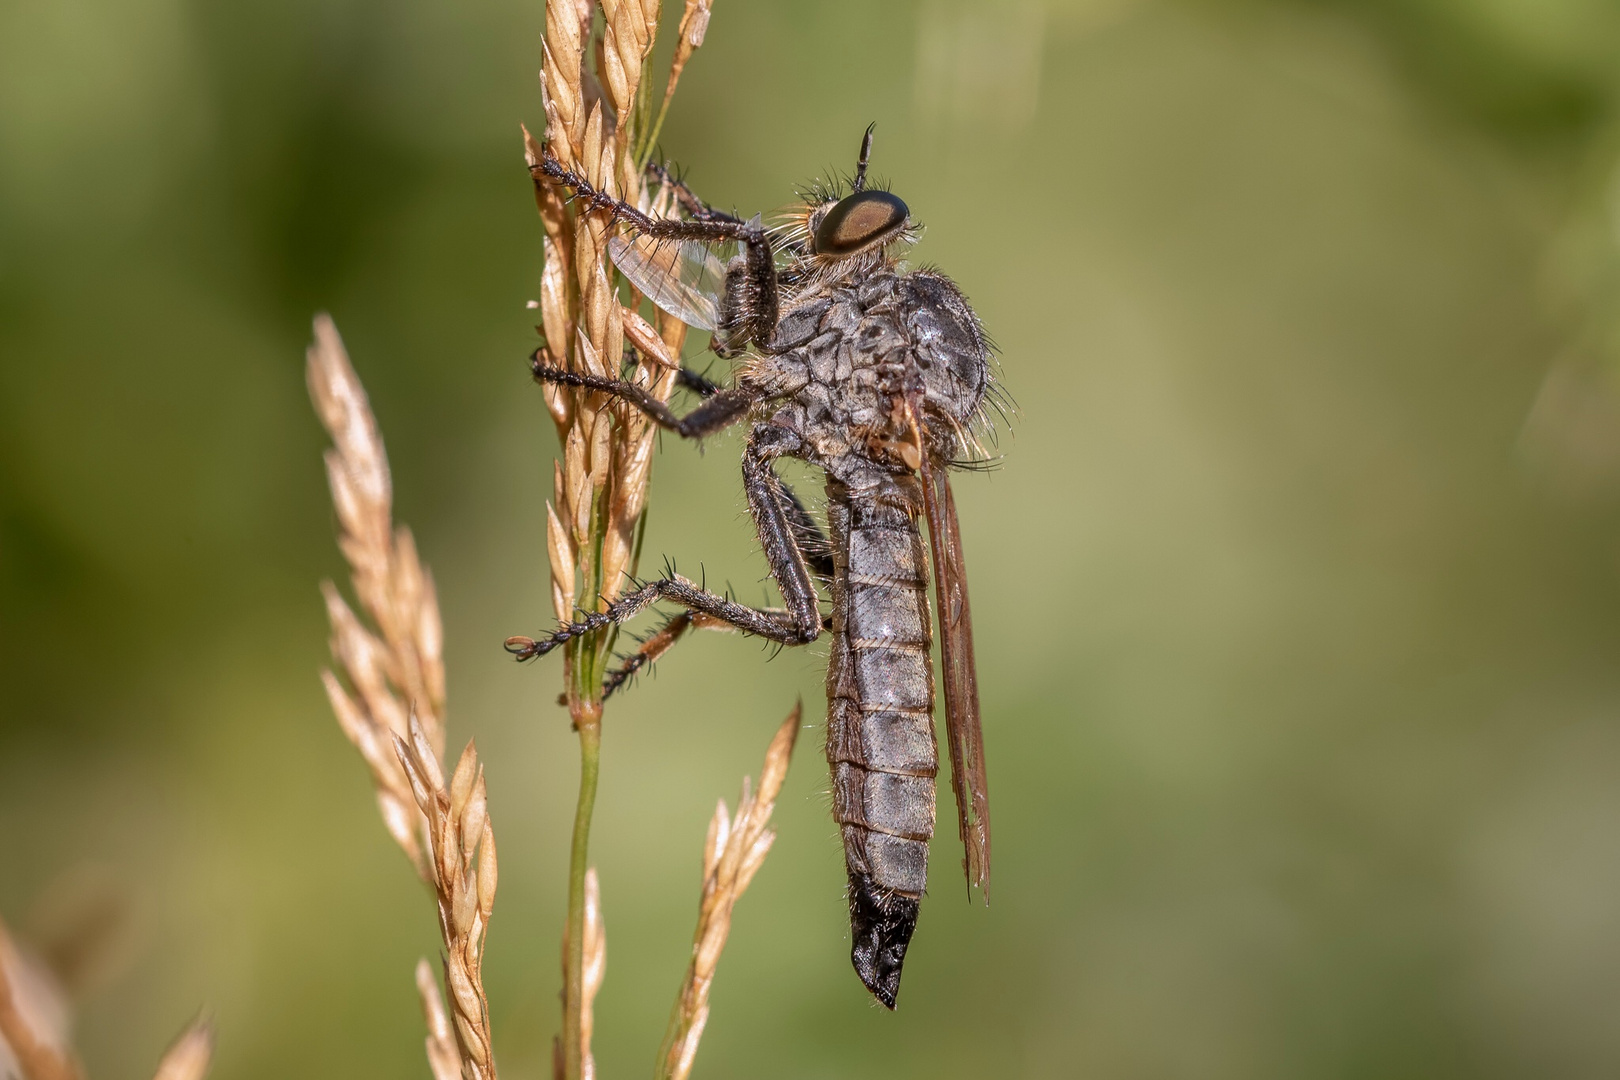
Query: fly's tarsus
point(696, 382)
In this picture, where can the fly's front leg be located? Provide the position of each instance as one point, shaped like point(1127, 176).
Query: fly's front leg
point(751, 292)
point(719, 410)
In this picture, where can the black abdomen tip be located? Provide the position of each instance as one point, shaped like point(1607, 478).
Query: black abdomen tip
point(880, 923)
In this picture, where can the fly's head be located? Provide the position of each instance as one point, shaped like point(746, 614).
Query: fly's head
point(838, 230)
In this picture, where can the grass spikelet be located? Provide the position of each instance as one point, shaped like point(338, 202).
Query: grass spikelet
point(392, 709)
point(736, 848)
point(34, 1018)
point(190, 1055)
point(399, 665)
point(461, 849)
point(443, 1058)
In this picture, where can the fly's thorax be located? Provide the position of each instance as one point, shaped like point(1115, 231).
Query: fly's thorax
point(950, 350)
point(848, 352)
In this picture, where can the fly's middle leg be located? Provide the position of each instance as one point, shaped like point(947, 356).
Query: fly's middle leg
point(719, 410)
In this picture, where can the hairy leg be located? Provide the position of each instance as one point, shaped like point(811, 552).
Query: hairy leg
point(720, 409)
point(797, 623)
point(695, 207)
point(662, 640)
point(813, 542)
point(758, 280)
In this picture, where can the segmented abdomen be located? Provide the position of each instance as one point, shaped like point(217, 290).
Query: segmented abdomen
point(880, 688)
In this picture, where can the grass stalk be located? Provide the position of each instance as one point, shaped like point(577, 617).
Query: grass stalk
point(576, 1044)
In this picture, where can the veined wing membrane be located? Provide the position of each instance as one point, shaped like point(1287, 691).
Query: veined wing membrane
point(962, 727)
point(682, 277)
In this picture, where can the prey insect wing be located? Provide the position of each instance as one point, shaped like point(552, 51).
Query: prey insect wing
point(683, 278)
point(963, 730)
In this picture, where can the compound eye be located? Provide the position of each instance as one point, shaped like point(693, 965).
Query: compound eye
point(860, 221)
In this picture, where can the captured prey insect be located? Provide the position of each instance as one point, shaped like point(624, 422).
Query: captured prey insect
point(877, 374)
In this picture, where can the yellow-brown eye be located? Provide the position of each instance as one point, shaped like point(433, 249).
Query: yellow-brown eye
point(859, 221)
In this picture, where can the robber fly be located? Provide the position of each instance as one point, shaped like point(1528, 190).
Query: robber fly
point(877, 374)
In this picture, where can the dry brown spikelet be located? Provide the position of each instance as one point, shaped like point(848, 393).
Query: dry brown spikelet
point(34, 1018)
point(392, 709)
point(443, 1057)
point(190, 1055)
point(461, 853)
point(736, 848)
point(399, 665)
point(607, 446)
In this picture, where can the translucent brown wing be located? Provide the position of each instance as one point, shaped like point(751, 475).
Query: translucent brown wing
point(682, 277)
point(962, 727)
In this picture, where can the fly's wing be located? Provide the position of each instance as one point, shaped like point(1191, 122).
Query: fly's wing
point(961, 681)
point(684, 278)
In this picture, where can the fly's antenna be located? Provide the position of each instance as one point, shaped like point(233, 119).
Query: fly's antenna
point(866, 155)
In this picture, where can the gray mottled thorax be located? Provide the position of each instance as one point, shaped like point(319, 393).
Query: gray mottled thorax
point(844, 349)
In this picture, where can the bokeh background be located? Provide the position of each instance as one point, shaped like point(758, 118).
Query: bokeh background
point(1298, 592)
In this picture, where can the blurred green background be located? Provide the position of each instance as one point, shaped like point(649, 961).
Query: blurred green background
point(1298, 595)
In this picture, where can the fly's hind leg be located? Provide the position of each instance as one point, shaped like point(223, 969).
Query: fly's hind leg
point(813, 545)
point(651, 650)
point(798, 622)
point(817, 552)
point(775, 625)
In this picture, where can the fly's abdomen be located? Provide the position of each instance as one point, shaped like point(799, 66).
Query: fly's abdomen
point(880, 729)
